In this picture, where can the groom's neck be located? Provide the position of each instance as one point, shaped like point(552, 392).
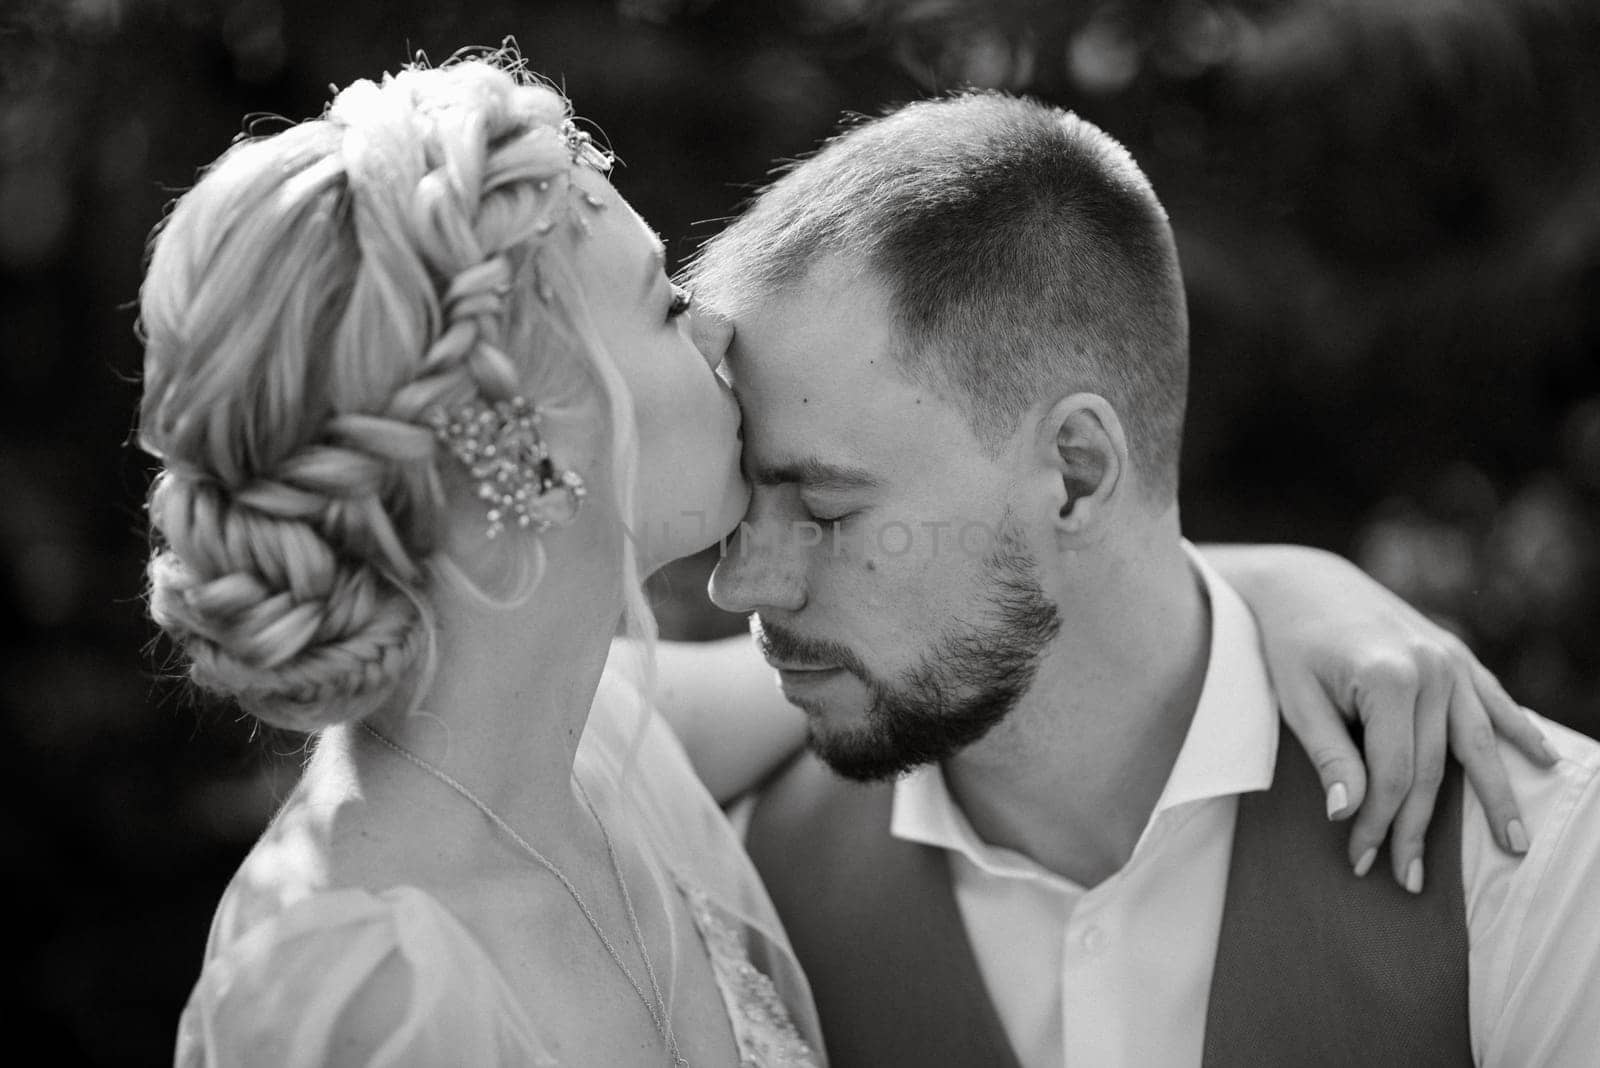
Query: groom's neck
point(1072, 775)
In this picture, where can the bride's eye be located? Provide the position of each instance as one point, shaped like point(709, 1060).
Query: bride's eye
point(681, 300)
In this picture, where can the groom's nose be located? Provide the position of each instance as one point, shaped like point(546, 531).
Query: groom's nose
point(761, 569)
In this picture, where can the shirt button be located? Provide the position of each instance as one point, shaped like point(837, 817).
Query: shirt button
point(1093, 939)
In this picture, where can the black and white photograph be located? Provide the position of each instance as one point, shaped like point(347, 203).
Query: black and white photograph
point(854, 533)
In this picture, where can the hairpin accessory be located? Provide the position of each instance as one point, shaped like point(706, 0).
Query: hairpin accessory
point(501, 446)
point(584, 150)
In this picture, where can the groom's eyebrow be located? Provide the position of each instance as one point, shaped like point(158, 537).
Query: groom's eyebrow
point(811, 472)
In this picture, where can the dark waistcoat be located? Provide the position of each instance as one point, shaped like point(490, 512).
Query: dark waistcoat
point(1314, 966)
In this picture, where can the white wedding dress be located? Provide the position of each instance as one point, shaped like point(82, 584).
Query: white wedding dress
point(279, 987)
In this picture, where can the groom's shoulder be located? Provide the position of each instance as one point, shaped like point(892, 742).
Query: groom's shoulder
point(1551, 797)
point(1577, 770)
point(1533, 929)
point(1574, 748)
point(1559, 808)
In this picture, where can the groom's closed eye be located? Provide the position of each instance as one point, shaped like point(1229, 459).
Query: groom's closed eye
point(824, 514)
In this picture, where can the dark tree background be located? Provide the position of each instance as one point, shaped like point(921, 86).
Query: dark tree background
point(1389, 216)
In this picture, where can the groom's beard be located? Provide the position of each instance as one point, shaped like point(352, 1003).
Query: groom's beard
point(970, 680)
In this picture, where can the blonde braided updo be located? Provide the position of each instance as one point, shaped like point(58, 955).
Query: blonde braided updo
point(306, 303)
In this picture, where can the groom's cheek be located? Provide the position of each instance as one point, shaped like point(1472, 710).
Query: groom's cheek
point(807, 534)
point(846, 541)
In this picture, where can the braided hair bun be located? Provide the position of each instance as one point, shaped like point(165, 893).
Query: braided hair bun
point(306, 303)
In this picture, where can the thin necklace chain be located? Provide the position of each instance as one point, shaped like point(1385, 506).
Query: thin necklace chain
point(661, 1016)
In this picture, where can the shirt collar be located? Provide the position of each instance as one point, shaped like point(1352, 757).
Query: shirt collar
point(1231, 746)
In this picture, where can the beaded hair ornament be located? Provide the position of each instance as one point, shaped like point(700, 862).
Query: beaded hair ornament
point(499, 442)
point(501, 446)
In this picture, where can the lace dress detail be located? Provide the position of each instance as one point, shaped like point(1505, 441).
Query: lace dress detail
point(762, 1028)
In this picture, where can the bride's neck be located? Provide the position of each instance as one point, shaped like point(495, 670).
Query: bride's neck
point(511, 690)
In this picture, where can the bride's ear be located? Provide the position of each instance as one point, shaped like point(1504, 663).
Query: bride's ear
point(1085, 449)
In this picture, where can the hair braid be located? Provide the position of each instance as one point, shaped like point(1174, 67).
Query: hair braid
point(313, 296)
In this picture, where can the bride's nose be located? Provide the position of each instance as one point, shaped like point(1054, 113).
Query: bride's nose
point(712, 335)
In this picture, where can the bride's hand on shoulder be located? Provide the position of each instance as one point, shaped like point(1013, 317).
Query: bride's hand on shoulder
point(1342, 649)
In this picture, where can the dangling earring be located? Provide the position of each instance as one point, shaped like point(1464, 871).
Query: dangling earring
point(501, 446)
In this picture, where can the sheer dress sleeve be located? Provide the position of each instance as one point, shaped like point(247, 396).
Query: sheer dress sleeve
point(350, 977)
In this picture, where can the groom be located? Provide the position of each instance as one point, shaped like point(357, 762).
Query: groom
point(962, 354)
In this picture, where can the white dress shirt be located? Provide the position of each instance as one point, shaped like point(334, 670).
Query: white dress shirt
point(1120, 974)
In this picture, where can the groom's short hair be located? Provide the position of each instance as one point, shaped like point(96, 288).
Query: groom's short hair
point(1022, 248)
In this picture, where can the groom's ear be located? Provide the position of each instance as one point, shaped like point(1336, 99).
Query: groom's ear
point(1086, 450)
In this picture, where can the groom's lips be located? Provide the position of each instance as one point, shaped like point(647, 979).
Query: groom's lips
point(804, 674)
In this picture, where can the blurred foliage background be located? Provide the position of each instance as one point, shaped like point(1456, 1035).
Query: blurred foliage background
point(1388, 212)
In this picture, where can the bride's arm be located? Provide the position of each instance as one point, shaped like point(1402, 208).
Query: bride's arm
point(723, 701)
point(1340, 645)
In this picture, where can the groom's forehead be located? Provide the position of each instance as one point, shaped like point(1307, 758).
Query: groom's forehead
point(812, 372)
point(819, 378)
point(816, 367)
point(773, 383)
point(825, 326)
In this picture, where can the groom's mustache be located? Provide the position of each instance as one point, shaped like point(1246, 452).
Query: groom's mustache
point(793, 651)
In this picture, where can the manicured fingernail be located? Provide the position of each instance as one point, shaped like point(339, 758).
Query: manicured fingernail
point(1364, 865)
point(1338, 797)
point(1517, 836)
point(1414, 875)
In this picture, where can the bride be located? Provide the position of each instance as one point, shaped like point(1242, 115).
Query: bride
point(414, 374)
